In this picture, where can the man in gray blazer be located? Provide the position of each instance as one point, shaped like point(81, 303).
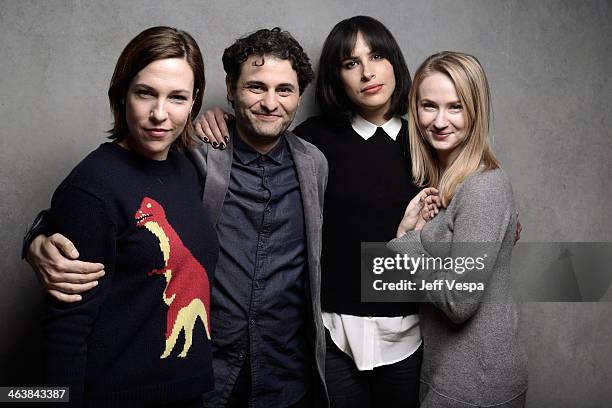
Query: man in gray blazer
point(264, 194)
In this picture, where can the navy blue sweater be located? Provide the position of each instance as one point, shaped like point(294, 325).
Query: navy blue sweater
point(142, 335)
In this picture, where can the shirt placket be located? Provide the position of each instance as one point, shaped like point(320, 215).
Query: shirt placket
point(258, 295)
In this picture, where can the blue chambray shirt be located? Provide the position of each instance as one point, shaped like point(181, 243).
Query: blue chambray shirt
point(259, 291)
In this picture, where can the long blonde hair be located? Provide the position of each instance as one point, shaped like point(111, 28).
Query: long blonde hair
point(472, 88)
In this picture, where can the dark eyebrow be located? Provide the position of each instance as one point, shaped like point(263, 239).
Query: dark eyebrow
point(147, 87)
point(143, 86)
point(354, 57)
point(258, 83)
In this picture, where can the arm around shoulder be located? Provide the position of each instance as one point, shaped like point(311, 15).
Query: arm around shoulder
point(54, 260)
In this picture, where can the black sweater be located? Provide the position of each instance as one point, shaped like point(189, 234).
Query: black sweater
point(143, 219)
point(368, 189)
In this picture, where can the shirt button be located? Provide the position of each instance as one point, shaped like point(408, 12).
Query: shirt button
point(241, 355)
point(252, 322)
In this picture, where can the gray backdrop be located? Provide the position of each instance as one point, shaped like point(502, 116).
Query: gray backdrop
point(548, 63)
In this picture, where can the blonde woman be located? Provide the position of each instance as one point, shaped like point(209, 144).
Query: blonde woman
point(472, 356)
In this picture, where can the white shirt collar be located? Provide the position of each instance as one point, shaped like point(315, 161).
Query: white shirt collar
point(367, 129)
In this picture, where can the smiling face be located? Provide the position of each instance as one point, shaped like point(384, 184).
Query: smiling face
point(368, 81)
point(265, 98)
point(441, 116)
point(157, 106)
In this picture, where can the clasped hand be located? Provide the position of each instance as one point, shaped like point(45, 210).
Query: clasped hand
point(423, 207)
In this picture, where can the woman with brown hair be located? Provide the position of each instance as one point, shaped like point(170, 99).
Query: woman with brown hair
point(134, 204)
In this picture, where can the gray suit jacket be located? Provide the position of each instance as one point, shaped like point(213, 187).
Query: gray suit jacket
point(311, 167)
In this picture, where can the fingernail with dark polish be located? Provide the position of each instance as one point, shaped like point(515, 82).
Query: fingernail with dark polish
point(205, 139)
point(226, 138)
point(215, 144)
point(222, 147)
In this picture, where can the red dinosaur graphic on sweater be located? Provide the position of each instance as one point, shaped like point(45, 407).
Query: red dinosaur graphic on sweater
point(187, 291)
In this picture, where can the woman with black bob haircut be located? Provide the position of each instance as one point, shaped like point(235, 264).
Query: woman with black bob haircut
point(373, 349)
point(141, 337)
point(331, 97)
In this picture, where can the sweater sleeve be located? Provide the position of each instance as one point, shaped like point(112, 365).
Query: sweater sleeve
point(39, 226)
point(483, 210)
point(82, 218)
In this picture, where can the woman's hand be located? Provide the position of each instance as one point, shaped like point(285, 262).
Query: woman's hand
point(423, 207)
point(211, 127)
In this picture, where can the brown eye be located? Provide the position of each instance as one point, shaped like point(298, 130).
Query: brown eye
point(350, 64)
point(255, 88)
point(143, 93)
point(428, 105)
point(285, 91)
point(178, 98)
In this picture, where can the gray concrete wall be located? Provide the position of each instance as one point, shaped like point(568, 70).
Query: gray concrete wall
point(548, 62)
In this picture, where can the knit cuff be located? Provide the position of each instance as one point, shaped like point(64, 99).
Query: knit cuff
point(409, 243)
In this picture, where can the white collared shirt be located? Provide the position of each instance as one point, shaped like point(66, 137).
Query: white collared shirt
point(367, 129)
point(374, 341)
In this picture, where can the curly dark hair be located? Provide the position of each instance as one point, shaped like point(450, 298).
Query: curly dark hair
point(262, 42)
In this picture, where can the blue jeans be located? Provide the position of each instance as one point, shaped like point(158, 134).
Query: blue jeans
point(389, 386)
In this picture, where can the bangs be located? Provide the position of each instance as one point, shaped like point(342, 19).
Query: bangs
point(339, 45)
point(347, 43)
point(377, 38)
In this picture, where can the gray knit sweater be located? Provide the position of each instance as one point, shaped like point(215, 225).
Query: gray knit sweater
point(472, 352)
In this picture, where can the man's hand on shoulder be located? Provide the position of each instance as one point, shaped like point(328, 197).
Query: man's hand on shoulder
point(54, 259)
